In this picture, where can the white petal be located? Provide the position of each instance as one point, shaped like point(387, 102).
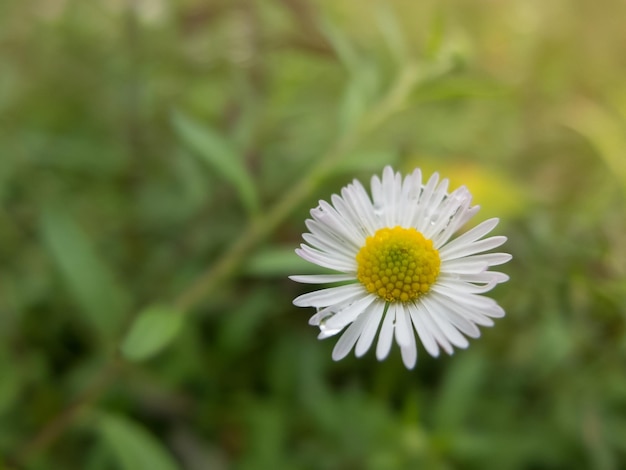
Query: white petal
point(350, 313)
point(373, 314)
point(356, 196)
point(403, 329)
point(463, 314)
point(463, 266)
point(444, 214)
point(411, 192)
point(460, 217)
point(448, 285)
point(470, 236)
point(328, 215)
point(327, 332)
point(348, 339)
point(460, 321)
point(420, 217)
point(391, 189)
point(376, 188)
point(473, 248)
point(329, 296)
point(463, 293)
point(427, 339)
point(326, 312)
point(326, 242)
point(409, 353)
point(463, 217)
point(435, 206)
point(489, 278)
point(434, 329)
point(439, 317)
point(495, 311)
point(322, 278)
point(385, 337)
point(325, 260)
point(493, 259)
point(473, 307)
point(354, 219)
point(321, 315)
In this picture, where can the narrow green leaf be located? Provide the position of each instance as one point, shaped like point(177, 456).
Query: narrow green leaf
point(435, 39)
point(343, 47)
point(448, 88)
point(88, 278)
point(391, 30)
point(153, 330)
point(353, 106)
point(219, 154)
point(237, 331)
point(461, 385)
point(605, 130)
point(133, 446)
point(10, 384)
point(358, 96)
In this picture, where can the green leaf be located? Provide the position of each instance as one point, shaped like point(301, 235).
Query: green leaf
point(153, 330)
point(436, 35)
point(220, 155)
point(88, 278)
point(133, 446)
point(237, 331)
point(460, 388)
point(604, 129)
point(10, 384)
point(345, 50)
point(390, 27)
point(449, 88)
point(358, 95)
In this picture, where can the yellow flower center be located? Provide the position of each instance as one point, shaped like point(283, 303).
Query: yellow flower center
point(398, 264)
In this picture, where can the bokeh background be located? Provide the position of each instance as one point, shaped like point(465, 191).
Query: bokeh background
point(164, 156)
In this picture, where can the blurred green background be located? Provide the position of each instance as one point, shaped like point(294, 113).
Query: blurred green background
point(164, 155)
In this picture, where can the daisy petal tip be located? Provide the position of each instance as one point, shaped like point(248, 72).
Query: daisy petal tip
point(434, 352)
point(298, 302)
point(382, 354)
point(409, 357)
point(339, 356)
point(359, 353)
point(503, 258)
point(327, 334)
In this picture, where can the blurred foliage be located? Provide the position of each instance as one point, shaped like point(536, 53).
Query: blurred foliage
point(141, 141)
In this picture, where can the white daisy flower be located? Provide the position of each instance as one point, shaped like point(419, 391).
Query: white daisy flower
point(399, 268)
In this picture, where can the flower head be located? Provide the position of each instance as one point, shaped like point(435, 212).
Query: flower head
point(399, 270)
